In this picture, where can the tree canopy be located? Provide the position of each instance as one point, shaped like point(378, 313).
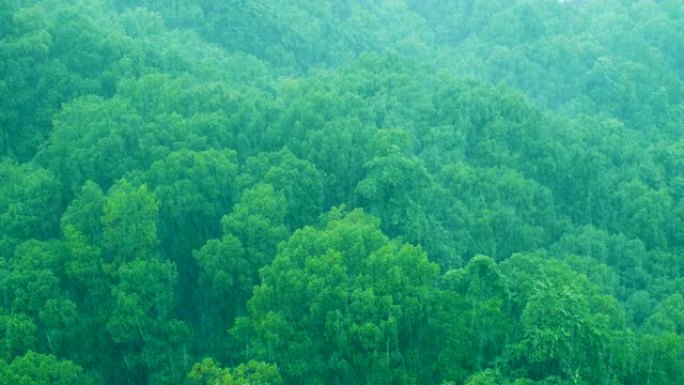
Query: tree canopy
point(342, 192)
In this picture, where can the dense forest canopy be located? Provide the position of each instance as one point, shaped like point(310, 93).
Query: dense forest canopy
point(477, 192)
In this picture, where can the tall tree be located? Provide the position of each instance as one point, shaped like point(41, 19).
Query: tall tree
point(342, 304)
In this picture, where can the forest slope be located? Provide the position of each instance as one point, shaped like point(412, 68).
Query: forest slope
point(341, 192)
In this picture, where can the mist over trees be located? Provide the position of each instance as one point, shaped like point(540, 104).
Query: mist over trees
point(477, 192)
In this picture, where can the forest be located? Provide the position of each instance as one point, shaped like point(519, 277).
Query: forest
point(342, 192)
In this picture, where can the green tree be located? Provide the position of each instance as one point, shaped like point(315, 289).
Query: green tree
point(342, 304)
point(660, 361)
point(151, 343)
point(338, 151)
point(194, 189)
point(258, 220)
point(37, 369)
point(399, 190)
point(567, 330)
point(228, 267)
point(298, 180)
point(18, 333)
point(84, 212)
point(474, 317)
point(93, 139)
point(34, 278)
point(645, 213)
point(506, 212)
point(130, 222)
point(207, 372)
point(30, 202)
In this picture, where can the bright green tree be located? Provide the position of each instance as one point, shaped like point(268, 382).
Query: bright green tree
point(342, 303)
point(38, 369)
point(130, 222)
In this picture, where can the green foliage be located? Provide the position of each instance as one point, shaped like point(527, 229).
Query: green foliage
point(141, 323)
point(84, 212)
point(298, 180)
point(38, 369)
point(341, 192)
point(207, 372)
point(342, 302)
point(193, 190)
point(30, 202)
point(130, 222)
point(34, 277)
point(477, 297)
point(84, 148)
point(18, 335)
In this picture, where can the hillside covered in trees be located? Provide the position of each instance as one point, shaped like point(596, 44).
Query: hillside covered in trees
point(329, 192)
